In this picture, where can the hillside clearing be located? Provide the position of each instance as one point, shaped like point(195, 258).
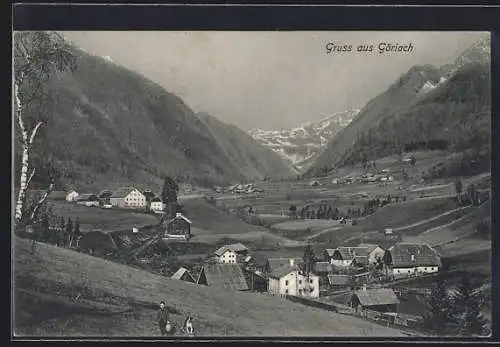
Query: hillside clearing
point(54, 271)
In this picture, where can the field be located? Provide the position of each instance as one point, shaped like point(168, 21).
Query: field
point(105, 219)
point(59, 292)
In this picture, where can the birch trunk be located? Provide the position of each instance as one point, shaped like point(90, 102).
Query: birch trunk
point(25, 157)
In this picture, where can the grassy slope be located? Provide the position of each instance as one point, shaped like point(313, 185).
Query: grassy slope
point(106, 288)
point(98, 218)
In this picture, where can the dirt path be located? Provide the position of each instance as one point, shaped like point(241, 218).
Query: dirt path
point(430, 219)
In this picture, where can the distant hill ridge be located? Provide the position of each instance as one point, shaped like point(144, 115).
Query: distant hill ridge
point(112, 126)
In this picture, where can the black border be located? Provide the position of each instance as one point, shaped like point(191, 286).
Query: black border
point(52, 16)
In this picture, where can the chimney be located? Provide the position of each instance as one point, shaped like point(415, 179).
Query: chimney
point(292, 262)
point(413, 257)
point(178, 214)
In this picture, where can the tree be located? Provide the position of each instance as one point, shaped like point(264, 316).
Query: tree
point(437, 319)
point(467, 309)
point(37, 57)
point(69, 232)
point(76, 229)
point(293, 212)
point(458, 187)
point(309, 259)
point(169, 194)
point(413, 161)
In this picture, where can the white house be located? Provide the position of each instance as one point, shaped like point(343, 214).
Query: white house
point(290, 280)
point(412, 259)
point(89, 200)
point(156, 204)
point(231, 254)
point(72, 195)
point(128, 197)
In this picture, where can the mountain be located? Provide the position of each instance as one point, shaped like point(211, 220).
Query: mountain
point(426, 108)
point(301, 146)
point(244, 152)
point(108, 126)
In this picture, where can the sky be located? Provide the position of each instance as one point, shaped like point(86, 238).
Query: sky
point(271, 79)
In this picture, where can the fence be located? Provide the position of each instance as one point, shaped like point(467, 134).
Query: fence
point(312, 303)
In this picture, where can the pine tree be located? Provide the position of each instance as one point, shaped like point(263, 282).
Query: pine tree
point(437, 319)
point(76, 230)
point(467, 310)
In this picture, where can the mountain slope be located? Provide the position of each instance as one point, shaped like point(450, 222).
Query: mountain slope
point(243, 151)
point(110, 126)
point(427, 108)
point(301, 146)
point(59, 292)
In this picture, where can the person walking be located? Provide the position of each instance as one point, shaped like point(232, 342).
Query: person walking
point(162, 318)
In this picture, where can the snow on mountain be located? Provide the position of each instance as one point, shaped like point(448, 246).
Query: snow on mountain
point(302, 145)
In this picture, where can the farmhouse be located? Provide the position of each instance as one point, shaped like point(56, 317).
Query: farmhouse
point(104, 197)
point(380, 299)
point(275, 263)
point(412, 259)
point(71, 196)
point(97, 241)
point(290, 280)
point(178, 227)
point(89, 200)
point(373, 251)
point(348, 256)
point(183, 274)
point(233, 253)
point(223, 276)
point(156, 204)
point(128, 197)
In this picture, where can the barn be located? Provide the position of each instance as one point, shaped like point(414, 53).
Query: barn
point(183, 274)
point(223, 276)
point(178, 227)
point(378, 299)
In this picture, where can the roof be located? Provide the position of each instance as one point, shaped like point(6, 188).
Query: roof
point(275, 263)
point(378, 296)
point(349, 253)
point(179, 273)
point(86, 197)
point(323, 266)
point(122, 192)
point(424, 255)
point(97, 239)
point(283, 271)
point(369, 246)
point(156, 199)
point(226, 276)
point(330, 251)
point(148, 193)
point(362, 260)
point(106, 193)
point(181, 216)
point(339, 279)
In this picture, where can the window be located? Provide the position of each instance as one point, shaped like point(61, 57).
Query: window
point(300, 281)
point(286, 291)
point(310, 281)
point(286, 283)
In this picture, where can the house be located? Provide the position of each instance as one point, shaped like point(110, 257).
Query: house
point(223, 276)
point(104, 197)
point(412, 259)
point(97, 242)
point(233, 253)
point(178, 227)
point(71, 196)
point(128, 197)
point(183, 274)
point(89, 200)
point(379, 299)
point(328, 254)
point(275, 263)
point(156, 204)
point(339, 281)
point(388, 231)
point(322, 268)
point(290, 280)
point(373, 251)
point(149, 195)
point(256, 280)
point(348, 256)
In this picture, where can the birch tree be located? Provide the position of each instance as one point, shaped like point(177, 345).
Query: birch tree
point(37, 57)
